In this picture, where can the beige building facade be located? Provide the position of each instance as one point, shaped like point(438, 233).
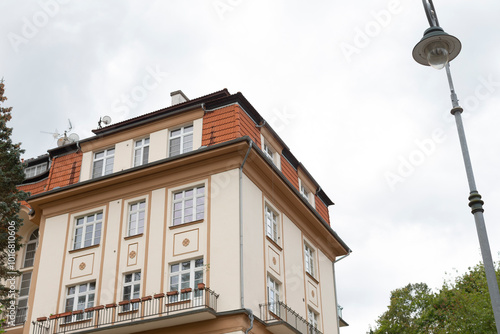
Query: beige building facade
point(192, 219)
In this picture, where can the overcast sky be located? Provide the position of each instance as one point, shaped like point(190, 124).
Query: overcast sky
point(336, 80)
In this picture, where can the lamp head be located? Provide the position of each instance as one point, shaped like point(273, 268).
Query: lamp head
point(436, 48)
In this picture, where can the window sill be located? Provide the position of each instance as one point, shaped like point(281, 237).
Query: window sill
point(133, 236)
point(83, 248)
point(312, 277)
point(187, 224)
point(273, 242)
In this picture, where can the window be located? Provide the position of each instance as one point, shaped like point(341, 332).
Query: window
point(273, 295)
point(22, 301)
point(35, 170)
point(185, 275)
point(31, 245)
point(136, 214)
point(304, 192)
point(141, 152)
point(181, 140)
point(272, 224)
point(80, 297)
point(268, 152)
point(131, 290)
point(88, 231)
point(309, 259)
point(189, 205)
point(313, 318)
point(103, 162)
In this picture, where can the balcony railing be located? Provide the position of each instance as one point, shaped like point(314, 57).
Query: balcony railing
point(157, 307)
point(279, 312)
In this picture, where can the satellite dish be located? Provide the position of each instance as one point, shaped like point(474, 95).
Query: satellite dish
point(106, 120)
point(61, 142)
point(73, 137)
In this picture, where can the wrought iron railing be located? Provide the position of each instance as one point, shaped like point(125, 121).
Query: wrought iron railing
point(158, 306)
point(278, 311)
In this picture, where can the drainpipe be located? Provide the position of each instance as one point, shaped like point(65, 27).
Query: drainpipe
point(241, 231)
point(250, 315)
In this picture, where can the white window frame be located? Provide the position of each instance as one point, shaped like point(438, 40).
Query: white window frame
point(185, 135)
point(31, 246)
point(84, 227)
point(141, 151)
point(309, 259)
point(312, 318)
point(273, 295)
point(35, 170)
point(107, 158)
point(136, 217)
point(133, 282)
point(89, 299)
point(269, 152)
point(185, 205)
point(22, 299)
point(272, 221)
point(183, 275)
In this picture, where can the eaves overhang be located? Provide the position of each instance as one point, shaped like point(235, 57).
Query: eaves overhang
point(107, 179)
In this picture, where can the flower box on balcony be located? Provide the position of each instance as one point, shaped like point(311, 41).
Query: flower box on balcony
point(201, 286)
point(77, 312)
point(53, 316)
point(159, 295)
point(100, 307)
point(89, 309)
point(41, 319)
point(124, 302)
point(110, 305)
point(65, 314)
point(172, 293)
point(186, 290)
point(135, 300)
point(146, 298)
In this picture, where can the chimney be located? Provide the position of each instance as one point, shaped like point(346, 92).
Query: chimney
point(178, 97)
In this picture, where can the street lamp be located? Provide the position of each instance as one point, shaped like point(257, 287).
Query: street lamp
point(437, 49)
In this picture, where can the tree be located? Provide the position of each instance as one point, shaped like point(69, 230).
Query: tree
point(405, 313)
point(461, 306)
point(11, 174)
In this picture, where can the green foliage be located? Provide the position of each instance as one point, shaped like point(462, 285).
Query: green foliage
point(11, 174)
point(462, 306)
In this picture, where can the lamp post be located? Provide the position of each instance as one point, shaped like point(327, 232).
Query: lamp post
point(437, 49)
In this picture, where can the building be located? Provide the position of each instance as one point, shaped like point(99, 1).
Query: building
point(196, 218)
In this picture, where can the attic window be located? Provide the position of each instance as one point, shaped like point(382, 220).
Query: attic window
point(35, 170)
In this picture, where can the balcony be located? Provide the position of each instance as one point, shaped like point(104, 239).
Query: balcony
point(281, 319)
point(130, 316)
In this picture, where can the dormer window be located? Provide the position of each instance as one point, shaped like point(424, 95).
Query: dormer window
point(268, 151)
point(141, 152)
point(304, 192)
point(181, 140)
point(35, 170)
point(103, 162)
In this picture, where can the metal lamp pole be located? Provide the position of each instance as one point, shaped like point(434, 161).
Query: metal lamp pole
point(436, 49)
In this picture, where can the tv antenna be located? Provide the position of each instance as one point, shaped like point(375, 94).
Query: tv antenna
point(103, 120)
point(64, 139)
